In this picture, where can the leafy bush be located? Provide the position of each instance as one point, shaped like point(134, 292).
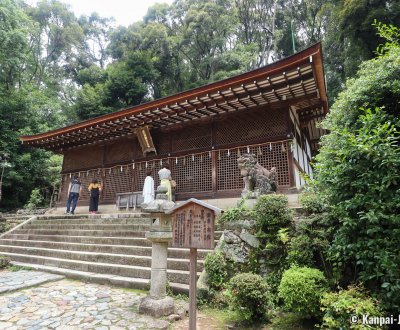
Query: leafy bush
point(358, 172)
point(4, 261)
point(300, 251)
point(35, 200)
point(339, 307)
point(4, 226)
point(311, 242)
point(301, 289)
point(249, 295)
point(272, 213)
point(236, 214)
point(216, 268)
point(311, 203)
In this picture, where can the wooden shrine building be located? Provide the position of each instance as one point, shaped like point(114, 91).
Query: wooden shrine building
point(272, 112)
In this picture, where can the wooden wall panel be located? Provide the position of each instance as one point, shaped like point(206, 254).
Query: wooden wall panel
point(121, 150)
point(83, 158)
point(250, 126)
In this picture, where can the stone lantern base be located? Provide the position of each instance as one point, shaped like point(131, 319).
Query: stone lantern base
point(157, 307)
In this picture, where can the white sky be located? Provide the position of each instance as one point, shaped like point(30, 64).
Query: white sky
point(125, 12)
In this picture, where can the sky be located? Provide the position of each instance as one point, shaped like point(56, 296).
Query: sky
point(125, 12)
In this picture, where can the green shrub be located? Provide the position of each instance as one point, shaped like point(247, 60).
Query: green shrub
point(358, 173)
point(4, 261)
point(36, 199)
point(272, 213)
point(216, 268)
point(339, 307)
point(301, 289)
point(248, 294)
point(236, 214)
point(311, 241)
point(311, 203)
point(300, 251)
point(4, 226)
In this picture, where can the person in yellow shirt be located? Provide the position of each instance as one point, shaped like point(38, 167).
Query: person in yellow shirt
point(94, 190)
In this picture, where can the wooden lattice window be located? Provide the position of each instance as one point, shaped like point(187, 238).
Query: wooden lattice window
point(85, 178)
point(228, 173)
point(142, 167)
point(275, 155)
point(117, 180)
point(251, 126)
point(268, 155)
point(193, 137)
point(193, 173)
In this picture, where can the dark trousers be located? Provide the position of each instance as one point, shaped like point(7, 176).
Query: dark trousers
point(94, 203)
point(73, 197)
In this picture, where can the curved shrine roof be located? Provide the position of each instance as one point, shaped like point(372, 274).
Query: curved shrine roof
point(296, 81)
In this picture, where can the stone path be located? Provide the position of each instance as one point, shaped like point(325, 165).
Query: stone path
point(11, 281)
point(68, 304)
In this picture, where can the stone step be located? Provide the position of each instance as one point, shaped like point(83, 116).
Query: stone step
point(174, 276)
point(105, 240)
point(109, 258)
point(82, 232)
point(96, 216)
point(104, 248)
point(89, 226)
point(121, 281)
point(128, 221)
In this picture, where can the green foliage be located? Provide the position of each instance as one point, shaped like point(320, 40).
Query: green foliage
point(358, 173)
point(4, 226)
point(4, 261)
point(235, 214)
point(249, 295)
point(216, 268)
point(290, 321)
point(351, 38)
point(300, 252)
point(16, 268)
point(272, 213)
point(301, 289)
point(311, 241)
point(35, 200)
point(311, 203)
point(339, 307)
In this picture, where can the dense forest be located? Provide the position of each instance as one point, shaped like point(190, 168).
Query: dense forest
point(57, 69)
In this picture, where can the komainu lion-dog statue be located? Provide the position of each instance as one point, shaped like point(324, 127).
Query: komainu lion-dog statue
point(257, 179)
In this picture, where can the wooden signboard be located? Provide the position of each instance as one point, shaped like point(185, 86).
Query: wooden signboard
point(145, 140)
point(193, 227)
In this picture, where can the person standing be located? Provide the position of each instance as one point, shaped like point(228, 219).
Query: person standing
point(148, 188)
point(94, 190)
point(74, 191)
point(165, 179)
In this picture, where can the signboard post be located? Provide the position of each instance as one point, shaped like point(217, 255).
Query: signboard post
point(193, 227)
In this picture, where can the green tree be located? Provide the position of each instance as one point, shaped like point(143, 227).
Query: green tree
point(358, 174)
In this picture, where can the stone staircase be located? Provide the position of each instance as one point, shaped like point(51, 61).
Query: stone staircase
point(107, 249)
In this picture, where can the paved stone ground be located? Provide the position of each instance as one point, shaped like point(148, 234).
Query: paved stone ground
point(11, 281)
point(67, 304)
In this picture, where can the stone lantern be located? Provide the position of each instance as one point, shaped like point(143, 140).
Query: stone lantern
point(158, 304)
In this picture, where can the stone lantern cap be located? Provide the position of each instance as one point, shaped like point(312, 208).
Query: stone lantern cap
point(216, 210)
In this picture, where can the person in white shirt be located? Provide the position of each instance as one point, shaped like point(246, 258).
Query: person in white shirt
point(165, 179)
point(148, 188)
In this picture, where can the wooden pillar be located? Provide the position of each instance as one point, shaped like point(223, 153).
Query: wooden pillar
point(103, 174)
point(192, 289)
point(214, 172)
